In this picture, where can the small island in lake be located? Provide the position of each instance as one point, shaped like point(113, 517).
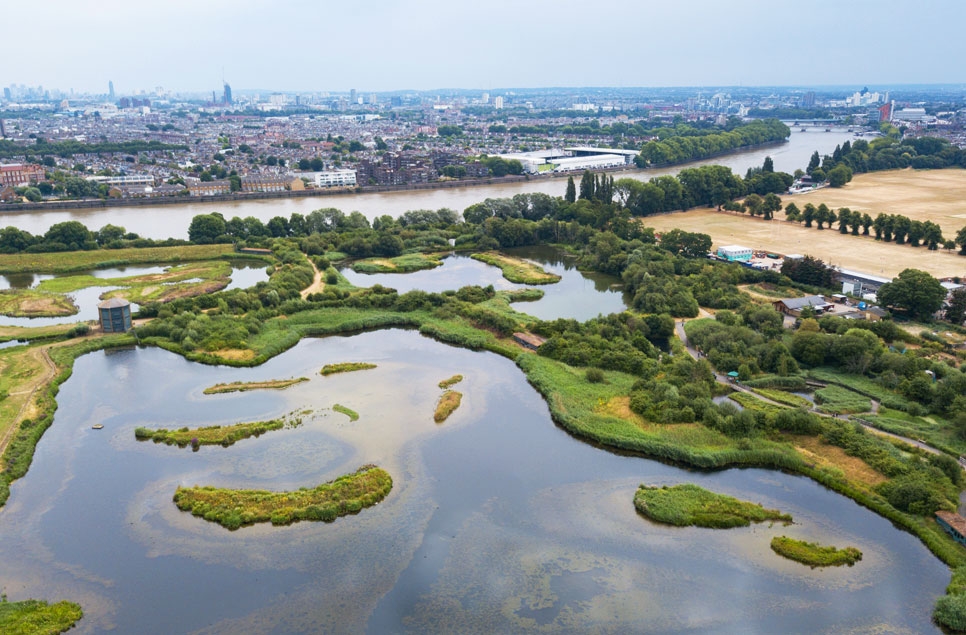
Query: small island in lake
point(517, 270)
point(345, 367)
point(448, 403)
point(689, 505)
point(813, 554)
point(232, 508)
point(209, 435)
point(242, 386)
point(38, 616)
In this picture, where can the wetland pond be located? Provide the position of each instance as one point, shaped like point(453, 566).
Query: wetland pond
point(578, 295)
point(244, 274)
point(498, 521)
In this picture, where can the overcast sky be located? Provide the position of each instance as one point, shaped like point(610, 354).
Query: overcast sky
point(378, 45)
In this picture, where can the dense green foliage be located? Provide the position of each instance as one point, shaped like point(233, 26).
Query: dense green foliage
point(685, 146)
point(232, 509)
point(345, 367)
point(689, 505)
point(36, 617)
point(66, 149)
point(813, 554)
point(208, 435)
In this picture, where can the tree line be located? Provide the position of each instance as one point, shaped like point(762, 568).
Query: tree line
point(684, 148)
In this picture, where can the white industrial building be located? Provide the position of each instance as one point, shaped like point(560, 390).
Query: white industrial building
point(735, 253)
point(597, 162)
point(127, 180)
point(335, 178)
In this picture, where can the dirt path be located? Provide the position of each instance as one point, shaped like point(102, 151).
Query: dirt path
point(723, 379)
point(38, 383)
point(317, 285)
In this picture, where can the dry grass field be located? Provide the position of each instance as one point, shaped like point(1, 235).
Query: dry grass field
point(938, 195)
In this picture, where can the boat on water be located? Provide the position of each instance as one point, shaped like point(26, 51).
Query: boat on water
point(97, 426)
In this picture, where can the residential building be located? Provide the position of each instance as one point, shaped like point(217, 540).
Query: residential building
point(21, 174)
point(209, 188)
point(336, 178)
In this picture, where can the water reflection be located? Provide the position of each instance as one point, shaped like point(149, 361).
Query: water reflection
point(578, 295)
point(244, 274)
point(498, 521)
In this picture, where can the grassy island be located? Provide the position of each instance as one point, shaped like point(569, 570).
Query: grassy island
point(242, 386)
point(210, 435)
point(33, 303)
point(37, 617)
point(349, 412)
point(689, 505)
point(452, 381)
point(406, 263)
point(234, 508)
point(517, 269)
point(345, 367)
point(813, 554)
point(67, 261)
point(448, 403)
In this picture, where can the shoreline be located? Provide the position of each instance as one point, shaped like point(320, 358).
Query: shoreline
point(48, 206)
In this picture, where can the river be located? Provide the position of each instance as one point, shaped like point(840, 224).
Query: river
point(498, 521)
point(166, 221)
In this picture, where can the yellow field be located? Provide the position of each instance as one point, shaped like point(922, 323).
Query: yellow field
point(938, 195)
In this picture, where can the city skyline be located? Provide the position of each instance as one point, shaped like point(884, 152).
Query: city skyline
point(387, 46)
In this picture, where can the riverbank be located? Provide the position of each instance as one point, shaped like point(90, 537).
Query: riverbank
point(359, 189)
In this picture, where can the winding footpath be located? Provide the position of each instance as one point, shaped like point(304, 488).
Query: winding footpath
point(724, 379)
point(42, 382)
point(317, 285)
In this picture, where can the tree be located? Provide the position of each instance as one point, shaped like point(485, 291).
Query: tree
point(206, 228)
point(913, 291)
point(754, 203)
point(768, 165)
point(689, 244)
point(587, 186)
point(571, 194)
point(839, 175)
point(813, 162)
point(956, 311)
point(845, 217)
point(823, 215)
point(867, 222)
point(808, 214)
point(771, 204)
point(792, 213)
point(961, 239)
point(73, 234)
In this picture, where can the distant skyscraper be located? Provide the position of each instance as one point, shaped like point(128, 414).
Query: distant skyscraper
point(110, 90)
point(498, 102)
point(6, 93)
point(228, 100)
point(352, 97)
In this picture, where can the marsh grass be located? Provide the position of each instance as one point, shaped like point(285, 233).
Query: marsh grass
point(209, 435)
point(35, 303)
point(689, 505)
point(446, 405)
point(516, 269)
point(452, 381)
point(243, 386)
point(345, 367)
point(785, 398)
point(838, 400)
point(406, 263)
point(67, 261)
point(349, 412)
point(813, 554)
point(235, 508)
point(37, 617)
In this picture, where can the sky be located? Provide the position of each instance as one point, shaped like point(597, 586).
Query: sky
point(384, 45)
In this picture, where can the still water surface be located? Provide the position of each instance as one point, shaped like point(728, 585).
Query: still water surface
point(578, 295)
point(498, 521)
point(244, 274)
point(173, 220)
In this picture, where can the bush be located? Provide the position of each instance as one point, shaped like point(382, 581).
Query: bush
point(594, 375)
